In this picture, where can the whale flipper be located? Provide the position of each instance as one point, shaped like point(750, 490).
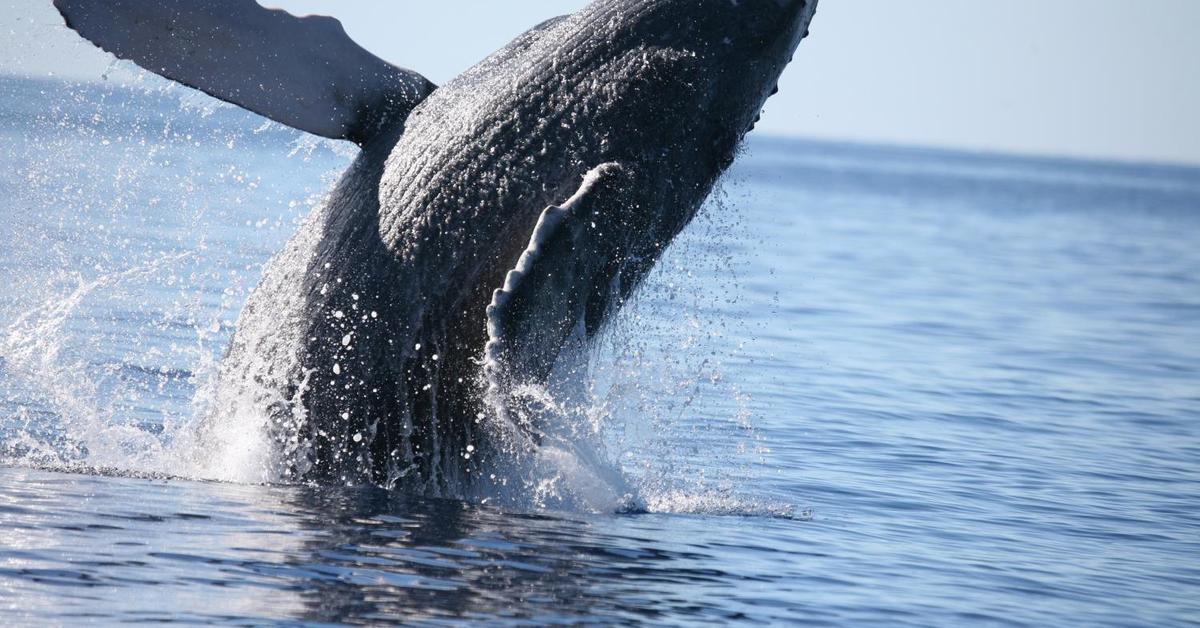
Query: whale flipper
point(562, 278)
point(304, 72)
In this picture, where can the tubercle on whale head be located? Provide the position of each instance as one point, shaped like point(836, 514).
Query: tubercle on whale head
point(751, 42)
point(737, 49)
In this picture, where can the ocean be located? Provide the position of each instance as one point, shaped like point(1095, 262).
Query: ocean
point(868, 386)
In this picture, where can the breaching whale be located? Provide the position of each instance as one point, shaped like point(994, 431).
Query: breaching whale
point(485, 225)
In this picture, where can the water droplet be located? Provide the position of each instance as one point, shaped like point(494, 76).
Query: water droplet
point(346, 339)
point(337, 369)
point(357, 437)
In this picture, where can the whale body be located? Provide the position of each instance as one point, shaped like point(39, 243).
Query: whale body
point(485, 225)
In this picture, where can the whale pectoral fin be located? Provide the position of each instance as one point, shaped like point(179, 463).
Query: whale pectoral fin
point(563, 276)
point(304, 72)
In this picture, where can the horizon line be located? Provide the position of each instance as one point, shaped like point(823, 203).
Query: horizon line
point(956, 149)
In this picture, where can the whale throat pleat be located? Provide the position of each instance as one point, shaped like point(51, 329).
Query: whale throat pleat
point(304, 72)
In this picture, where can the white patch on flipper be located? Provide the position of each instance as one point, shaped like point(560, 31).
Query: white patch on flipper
point(546, 229)
point(304, 72)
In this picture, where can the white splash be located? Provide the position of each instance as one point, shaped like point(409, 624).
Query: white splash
point(621, 418)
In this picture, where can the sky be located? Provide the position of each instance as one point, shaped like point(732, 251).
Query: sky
point(1109, 79)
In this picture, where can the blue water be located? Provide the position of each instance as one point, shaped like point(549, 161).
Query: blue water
point(868, 386)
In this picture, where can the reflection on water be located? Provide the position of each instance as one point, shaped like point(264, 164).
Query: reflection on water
point(79, 546)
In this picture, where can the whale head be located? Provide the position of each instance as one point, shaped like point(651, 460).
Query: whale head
point(691, 76)
point(745, 46)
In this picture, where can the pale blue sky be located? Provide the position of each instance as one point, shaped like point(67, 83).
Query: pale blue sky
point(1096, 78)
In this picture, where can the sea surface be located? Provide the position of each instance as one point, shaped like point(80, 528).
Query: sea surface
point(868, 386)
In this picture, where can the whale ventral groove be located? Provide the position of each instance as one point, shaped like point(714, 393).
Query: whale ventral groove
point(485, 224)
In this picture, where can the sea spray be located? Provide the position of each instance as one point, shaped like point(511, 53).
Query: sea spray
point(154, 239)
point(122, 286)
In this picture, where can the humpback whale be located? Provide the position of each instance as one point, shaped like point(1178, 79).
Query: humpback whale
point(485, 225)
